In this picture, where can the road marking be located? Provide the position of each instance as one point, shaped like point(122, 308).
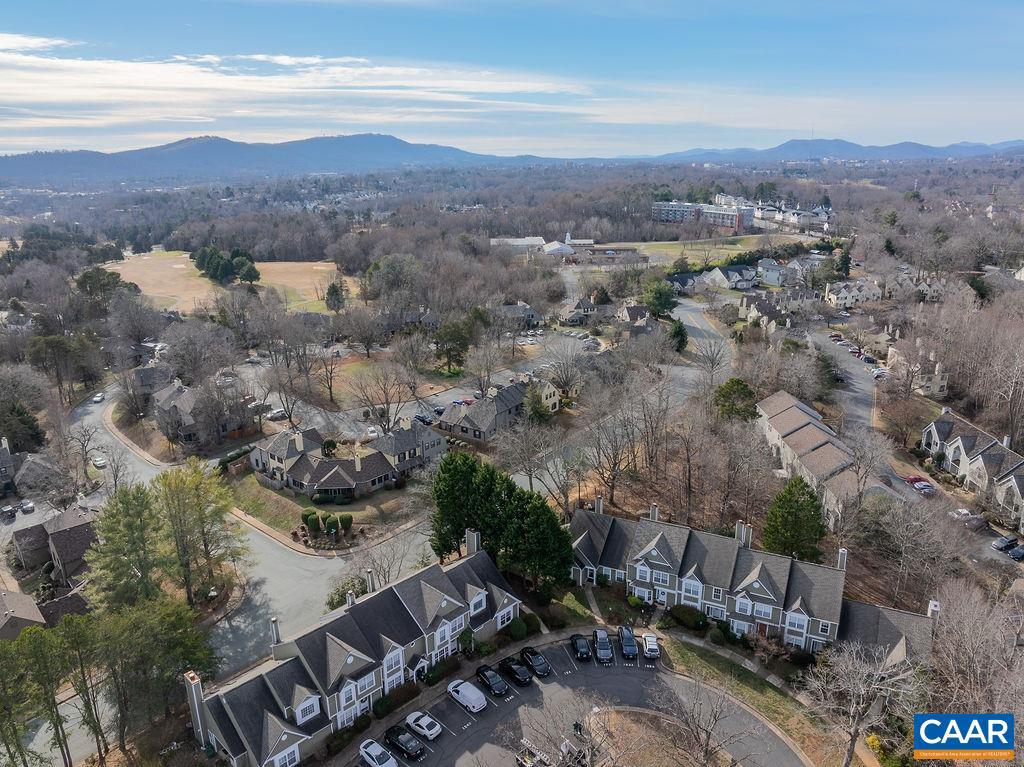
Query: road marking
point(443, 725)
point(569, 655)
point(512, 690)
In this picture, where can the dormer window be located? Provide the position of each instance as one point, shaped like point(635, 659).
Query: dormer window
point(743, 606)
point(642, 573)
point(307, 710)
point(479, 603)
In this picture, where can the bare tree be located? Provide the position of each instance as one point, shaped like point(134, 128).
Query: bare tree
point(363, 328)
point(279, 379)
point(326, 370)
point(386, 559)
point(119, 470)
point(81, 437)
point(524, 449)
point(611, 442)
point(855, 687)
point(566, 371)
point(380, 391)
point(197, 349)
point(412, 353)
point(870, 457)
point(711, 358)
point(482, 361)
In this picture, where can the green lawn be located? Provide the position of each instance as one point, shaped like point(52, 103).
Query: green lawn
point(776, 706)
point(571, 606)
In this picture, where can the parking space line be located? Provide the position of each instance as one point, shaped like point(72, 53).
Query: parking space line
point(569, 656)
point(443, 724)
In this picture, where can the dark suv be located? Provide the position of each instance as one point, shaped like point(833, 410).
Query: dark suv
point(629, 649)
point(538, 663)
point(603, 647)
point(578, 647)
point(404, 741)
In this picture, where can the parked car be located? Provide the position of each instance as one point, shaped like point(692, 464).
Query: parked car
point(538, 663)
point(26, 506)
point(914, 479)
point(869, 359)
point(579, 647)
point(650, 645)
point(628, 643)
point(478, 394)
point(253, 360)
point(959, 513)
point(467, 695)
point(99, 462)
point(426, 420)
point(7, 513)
point(375, 754)
point(1016, 554)
point(1005, 543)
point(924, 488)
point(277, 414)
point(844, 314)
point(372, 432)
point(516, 670)
point(438, 410)
point(602, 647)
point(407, 744)
point(881, 374)
point(976, 522)
point(492, 680)
point(423, 725)
point(836, 336)
point(99, 397)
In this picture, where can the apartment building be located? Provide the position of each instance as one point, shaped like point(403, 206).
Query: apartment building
point(725, 216)
point(317, 682)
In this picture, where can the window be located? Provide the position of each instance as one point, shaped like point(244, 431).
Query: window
point(762, 611)
point(717, 613)
point(659, 578)
point(504, 618)
point(739, 628)
point(366, 684)
point(606, 572)
point(825, 628)
point(348, 695)
point(308, 710)
point(743, 606)
point(619, 576)
point(691, 590)
point(796, 622)
point(642, 573)
point(288, 759)
point(716, 593)
point(458, 624)
point(479, 603)
point(392, 661)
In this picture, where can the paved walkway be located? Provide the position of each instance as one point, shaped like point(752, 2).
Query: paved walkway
point(592, 603)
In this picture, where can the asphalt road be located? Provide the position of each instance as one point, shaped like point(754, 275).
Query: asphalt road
point(472, 740)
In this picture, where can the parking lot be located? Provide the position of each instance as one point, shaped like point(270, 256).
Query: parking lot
point(473, 739)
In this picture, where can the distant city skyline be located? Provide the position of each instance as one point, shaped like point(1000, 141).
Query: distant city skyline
point(562, 79)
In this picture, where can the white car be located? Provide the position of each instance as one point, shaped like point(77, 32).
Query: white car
point(844, 314)
point(277, 414)
point(372, 432)
point(959, 513)
point(422, 724)
point(99, 462)
point(375, 754)
point(98, 397)
point(650, 644)
point(467, 696)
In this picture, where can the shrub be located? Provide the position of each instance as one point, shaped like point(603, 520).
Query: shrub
point(345, 521)
point(441, 669)
point(485, 648)
point(664, 623)
point(516, 629)
point(313, 522)
point(399, 483)
point(532, 623)
point(555, 622)
point(689, 617)
point(395, 699)
point(342, 738)
point(715, 636)
point(602, 580)
point(801, 658)
point(331, 523)
point(635, 602)
point(542, 595)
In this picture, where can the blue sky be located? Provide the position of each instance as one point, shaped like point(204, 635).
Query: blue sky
point(562, 78)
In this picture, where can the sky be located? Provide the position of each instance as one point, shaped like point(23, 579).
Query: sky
point(562, 78)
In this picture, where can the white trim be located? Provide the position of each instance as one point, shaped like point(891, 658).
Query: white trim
point(312, 701)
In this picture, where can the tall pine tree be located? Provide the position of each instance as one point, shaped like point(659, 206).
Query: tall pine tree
point(794, 525)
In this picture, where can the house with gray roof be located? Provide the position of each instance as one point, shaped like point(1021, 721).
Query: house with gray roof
point(520, 313)
point(985, 465)
point(17, 612)
point(906, 636)
point(478, 423)
point(151, 378)
point(194, 419)
point(739, 277)
point(799, 603)
point(321, 679)
point(410, 446)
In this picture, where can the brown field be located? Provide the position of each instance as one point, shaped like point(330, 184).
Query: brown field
point(171, 280)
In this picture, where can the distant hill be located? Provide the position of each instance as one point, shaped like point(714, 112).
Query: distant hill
point(210, 158)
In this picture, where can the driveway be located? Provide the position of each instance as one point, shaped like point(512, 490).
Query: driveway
point(470, 740)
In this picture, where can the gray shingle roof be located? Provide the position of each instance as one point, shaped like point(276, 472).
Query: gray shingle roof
point(228, 736)
point(819, 588)
point(712, 557)
point(400, 440)
point(910, 634)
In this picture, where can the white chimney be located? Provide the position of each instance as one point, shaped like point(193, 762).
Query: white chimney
point(946, 410)
point(748, 535)
point(654, 512)
point(194, 691)
point(1006, 441)
point(933, 608)
point(599, 504)
point(275, 632)
point(300, 444)
point(5, 444)
point(472, 541)
point(739, 531)
point(841, 564)
point(350, 598)
point(371, 585)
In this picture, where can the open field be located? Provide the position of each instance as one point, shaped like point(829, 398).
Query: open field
point(171, 280)
point(719, 248)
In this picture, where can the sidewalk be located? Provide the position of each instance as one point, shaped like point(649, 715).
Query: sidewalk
point(108, 421)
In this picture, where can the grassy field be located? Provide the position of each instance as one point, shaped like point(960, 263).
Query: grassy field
point(720, 248)
point(172, 281)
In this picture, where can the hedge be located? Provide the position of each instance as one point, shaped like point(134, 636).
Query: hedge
point(715, 636)
point(516, 629)
point(689, 617)
point(340, 739)
point(555, 622)
point(345, 520)
point(532, 623)
point(441, 669)
point(331, 523)
point(395, 699)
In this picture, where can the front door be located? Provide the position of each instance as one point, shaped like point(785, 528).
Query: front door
point(591, 575)
point(762, 629)
point(660, 595)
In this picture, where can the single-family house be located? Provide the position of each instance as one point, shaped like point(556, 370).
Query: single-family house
point(194, 420)
point(637, 319)
point(687, 283)
point(62, 539)
point(924, 373)
point(771, 272)
point(151, 378)
point(520, 314)
point(318, 681)
point(578, 312)
point(17, 611)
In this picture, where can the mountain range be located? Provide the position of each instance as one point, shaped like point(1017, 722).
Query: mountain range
point(211, 158)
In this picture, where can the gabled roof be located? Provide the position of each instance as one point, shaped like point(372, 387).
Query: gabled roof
point(771, 406)
point(826, 460)
point(602, 539)
point(15, 605)
point(669, 541)
point(809, 437)
point(761, 574)
point(791, 419)
point(284, 445)
point(401, 440)
point(291, 683)
point(259, 719)
point(478, 573)
point(819, 589)
point(906, 635)
point(430, 597)
point(712, 558)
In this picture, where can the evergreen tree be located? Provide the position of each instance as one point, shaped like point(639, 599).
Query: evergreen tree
point(21, 428)
point(249, 273)
point(452, 343)
point(735, 400)
point(536, 410)
point(659, 297)
point(794, 525)
point(81, 640)
point(535, 542)
point(44, 657)
point(15, 719)
point(452, 486)
point(335, 297)
point(679, 335)
point(125, 561)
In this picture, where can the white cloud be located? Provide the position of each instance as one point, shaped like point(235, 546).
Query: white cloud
point(15, 42)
